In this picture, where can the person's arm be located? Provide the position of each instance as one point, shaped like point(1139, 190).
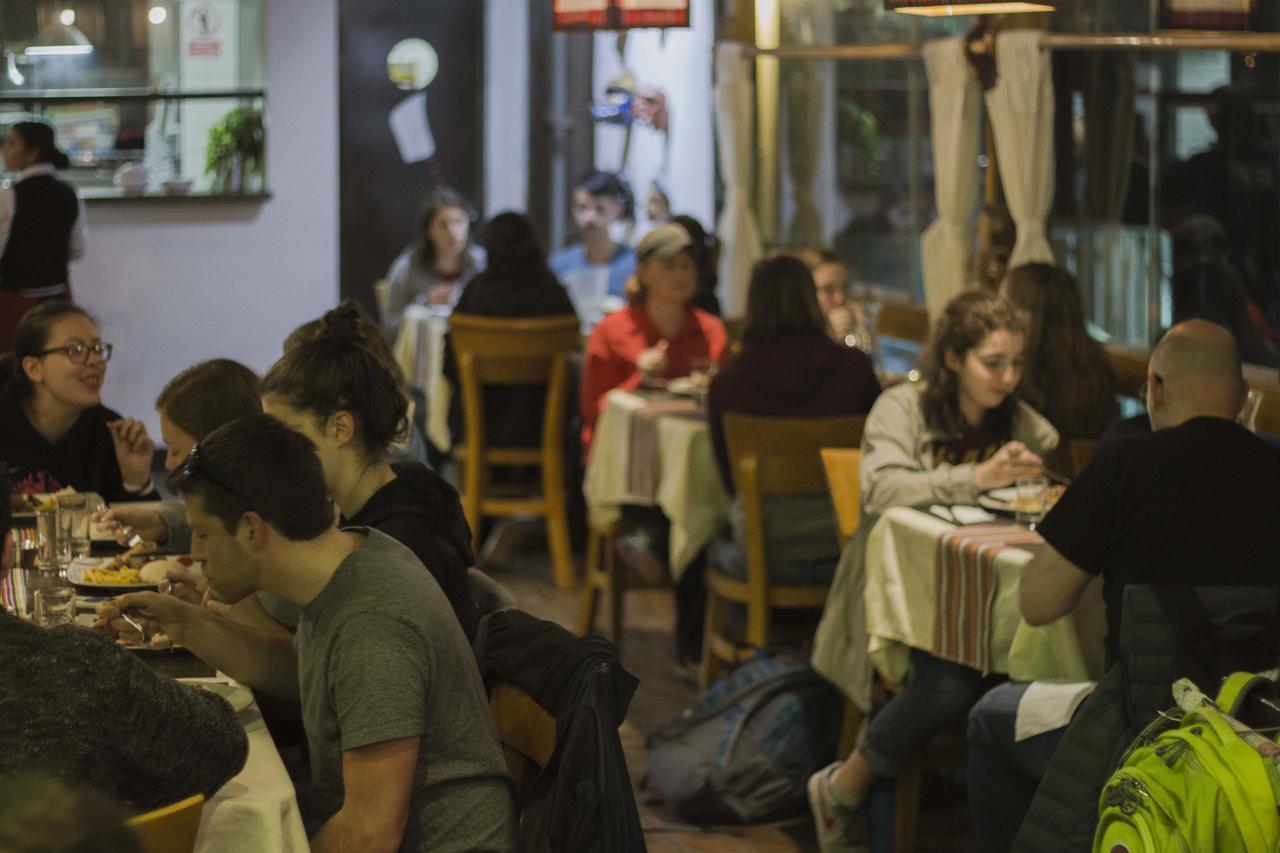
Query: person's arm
point(78, 238)
point(263, 659)
point(603, 370)
point(377, 782)
point(1051, 586)
point(891, 473)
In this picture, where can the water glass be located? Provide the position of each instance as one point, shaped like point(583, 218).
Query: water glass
point(1248, 417)
point(1031, 500)
point(74, 512)
point(55, 606)
point(47, 534)
point(26, 541)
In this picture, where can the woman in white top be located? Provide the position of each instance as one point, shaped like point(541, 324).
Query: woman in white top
point(42, 226)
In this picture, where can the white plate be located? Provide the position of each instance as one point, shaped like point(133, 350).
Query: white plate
point(75, 574)
point(239, 696)
point(1000, 500)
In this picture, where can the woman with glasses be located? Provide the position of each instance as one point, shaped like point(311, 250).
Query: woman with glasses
point(42, 226)
point(54, 430)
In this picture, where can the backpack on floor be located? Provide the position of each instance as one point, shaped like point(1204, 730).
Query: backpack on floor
point(744, 751)
point(1194, 781)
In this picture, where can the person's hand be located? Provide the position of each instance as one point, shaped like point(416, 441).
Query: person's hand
point(841, 320)
point(653, 361)
point(191, 587)
point(169, 614)
point(134, 450)
point(1009, 463)
point(440, 294)
point(123, 520)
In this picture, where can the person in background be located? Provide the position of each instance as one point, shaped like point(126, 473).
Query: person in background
point(191, 405)
point(518, 284)
point(659, 334)
point(595, 270)
point(706, 254)
point(788, 367)
point(657, 205)
point(959, 433)
point(432, 269)
point(831, 279)
point(42, 226)
point(1068, 377)
point(54, 430)
point(404, 754)
point(337, 390)
point(1193, 503)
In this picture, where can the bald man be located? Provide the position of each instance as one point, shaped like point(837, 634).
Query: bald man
point(1196, 502)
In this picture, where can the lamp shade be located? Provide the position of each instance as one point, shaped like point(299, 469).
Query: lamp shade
point(619, 14)
point(938, 8)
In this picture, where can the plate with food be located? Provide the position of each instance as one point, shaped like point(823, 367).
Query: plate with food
point(156, 644)
point(1006, 500)
point(108, 576)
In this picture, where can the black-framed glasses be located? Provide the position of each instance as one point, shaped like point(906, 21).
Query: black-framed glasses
point(80, 353)
point(196, 466)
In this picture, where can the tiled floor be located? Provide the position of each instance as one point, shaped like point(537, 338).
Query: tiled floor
point(647, 654)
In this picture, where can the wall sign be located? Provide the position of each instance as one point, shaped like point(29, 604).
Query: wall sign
point(1207, 14)
point(619, 14)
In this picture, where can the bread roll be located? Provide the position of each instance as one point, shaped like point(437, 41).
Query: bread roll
point(154, 571)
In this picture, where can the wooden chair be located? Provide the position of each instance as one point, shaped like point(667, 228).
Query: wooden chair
point(526, 730)
point(770, 457)
point(843, 467)
point(170, 829)
point(502, 351)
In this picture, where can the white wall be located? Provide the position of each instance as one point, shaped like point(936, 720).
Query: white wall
point(173, 284)
point(506, 106)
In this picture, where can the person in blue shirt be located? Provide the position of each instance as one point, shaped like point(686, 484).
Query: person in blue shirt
point(595, 270)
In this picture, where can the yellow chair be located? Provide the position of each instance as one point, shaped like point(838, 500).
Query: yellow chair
point(843, 467)
point(503, 351)
point(526, 730)
point(770, 457)
point(170, 829)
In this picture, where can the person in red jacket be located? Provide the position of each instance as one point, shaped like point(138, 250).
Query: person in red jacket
point(659, 334)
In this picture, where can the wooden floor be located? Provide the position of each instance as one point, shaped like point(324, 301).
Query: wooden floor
point(648, 654)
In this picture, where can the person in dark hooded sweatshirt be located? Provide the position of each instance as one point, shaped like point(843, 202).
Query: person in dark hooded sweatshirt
point(337, 390)
point(788, 366)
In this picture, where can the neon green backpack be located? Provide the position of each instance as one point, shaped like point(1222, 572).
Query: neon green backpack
point(1196, 780)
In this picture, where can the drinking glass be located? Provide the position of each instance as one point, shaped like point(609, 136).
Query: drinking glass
point(1030, 500)
point(701, 372)
point(1248, 416)
point(26, 541)
point(55, 606)
point(73, 522)
point(47, 533)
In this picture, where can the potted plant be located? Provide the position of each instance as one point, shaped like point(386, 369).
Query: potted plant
point(234, 152)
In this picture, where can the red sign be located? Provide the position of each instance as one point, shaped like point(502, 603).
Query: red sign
point(1208, 14)
point(619, 14)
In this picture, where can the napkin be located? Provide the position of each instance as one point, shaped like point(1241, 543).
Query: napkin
point(962, 514)
point(1046, 707)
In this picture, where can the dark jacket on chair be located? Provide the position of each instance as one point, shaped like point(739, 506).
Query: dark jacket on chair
point(582, 800)
point(1203, 633)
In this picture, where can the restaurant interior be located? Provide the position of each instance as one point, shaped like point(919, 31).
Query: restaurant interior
point(684, 425)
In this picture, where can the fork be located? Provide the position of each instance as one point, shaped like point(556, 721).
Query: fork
point(126, 617)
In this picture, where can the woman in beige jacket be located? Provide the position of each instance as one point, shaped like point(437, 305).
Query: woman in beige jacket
point(959, 433)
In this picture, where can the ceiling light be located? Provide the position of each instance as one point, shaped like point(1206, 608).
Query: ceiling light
point(157, 14)
point(938, 8)
point(59, 39)
point(67, 17)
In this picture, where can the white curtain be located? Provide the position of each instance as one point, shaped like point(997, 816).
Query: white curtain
point(955, 109)
point(1021, 109)
point(735, 133)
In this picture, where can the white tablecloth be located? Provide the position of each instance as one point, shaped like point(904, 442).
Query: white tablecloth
point(688, 488)
point(419, 350)
point(901, 598)
point(256, 811)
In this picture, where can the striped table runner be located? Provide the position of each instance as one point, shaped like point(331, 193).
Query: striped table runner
point(13, 592)
point(964, 576)
point(642, 464)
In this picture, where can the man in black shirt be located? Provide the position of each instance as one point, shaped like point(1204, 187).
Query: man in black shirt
point(1194, 503)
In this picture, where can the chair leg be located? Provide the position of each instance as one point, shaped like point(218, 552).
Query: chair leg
point(590, 586)
point(472, 479)
point(557, 525)
point(712, 629)
point(906, 806)
point(617, 589)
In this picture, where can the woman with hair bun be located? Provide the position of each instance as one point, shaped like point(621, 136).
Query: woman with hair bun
point(336, 389)
point(42, 226)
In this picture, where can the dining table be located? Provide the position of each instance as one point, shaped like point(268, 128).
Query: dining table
point(952, 590)
point(419, 351)
point(653, 449)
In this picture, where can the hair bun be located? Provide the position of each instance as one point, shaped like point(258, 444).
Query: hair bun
point(343, 322)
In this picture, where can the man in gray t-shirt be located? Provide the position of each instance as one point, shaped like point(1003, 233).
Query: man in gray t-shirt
point(381, 658)
point(404, 752)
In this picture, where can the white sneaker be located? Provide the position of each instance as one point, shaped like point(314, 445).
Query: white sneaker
point(841, 829)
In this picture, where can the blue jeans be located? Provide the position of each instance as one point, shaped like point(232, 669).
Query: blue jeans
point(936, 691)
point(1003, 775)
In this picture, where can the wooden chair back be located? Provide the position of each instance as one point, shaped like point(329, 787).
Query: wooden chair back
point(171, 828)
point(526, 730)
point(843, 466)
point(1130, 366)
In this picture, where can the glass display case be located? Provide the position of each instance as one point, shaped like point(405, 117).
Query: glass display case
point(148, 98)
